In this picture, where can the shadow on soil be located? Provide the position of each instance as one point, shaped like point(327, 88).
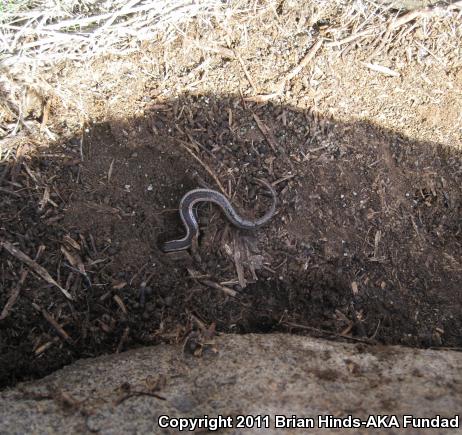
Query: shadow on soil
point(366, 244)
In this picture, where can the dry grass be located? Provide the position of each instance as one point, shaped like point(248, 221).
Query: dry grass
point(50, 31)
point(37, 36)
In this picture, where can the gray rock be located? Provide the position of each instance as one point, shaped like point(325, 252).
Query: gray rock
point(237, 375)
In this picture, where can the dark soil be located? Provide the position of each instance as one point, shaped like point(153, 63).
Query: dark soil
point(366, 244)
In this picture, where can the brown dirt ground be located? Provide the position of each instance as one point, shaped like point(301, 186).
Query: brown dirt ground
point(366, 244)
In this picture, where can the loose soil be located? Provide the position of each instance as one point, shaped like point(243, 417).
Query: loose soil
point(366, 244)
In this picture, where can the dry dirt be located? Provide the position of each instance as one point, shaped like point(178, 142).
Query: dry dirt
point(367, 241)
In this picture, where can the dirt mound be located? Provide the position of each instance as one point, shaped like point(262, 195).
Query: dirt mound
point(366, 243)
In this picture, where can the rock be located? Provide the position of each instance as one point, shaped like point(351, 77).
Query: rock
point(237, 375)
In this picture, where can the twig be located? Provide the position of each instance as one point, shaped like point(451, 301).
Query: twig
point(395, 23)
point(381, 69)
point(14, 295)
point(412, 15)
point(206, 167)
point(376, 330)
point(266, 132)
point(322, 331)
point(303, 63)
point(199, 323)
point(136, 394)
point(39, 270)
point(225, 52)
point(280, 85)
point(348, 39)
point(29, 172)
point(281, 180)
point(42, 348)
point(226, 290)
point(246, 72)
point(56, 326)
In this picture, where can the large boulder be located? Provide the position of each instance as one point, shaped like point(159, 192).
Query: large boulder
point(234, 375)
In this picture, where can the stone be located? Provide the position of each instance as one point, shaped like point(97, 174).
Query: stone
point(266, 375)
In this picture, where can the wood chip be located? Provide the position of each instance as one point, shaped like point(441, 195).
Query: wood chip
point(354, 288)
point(71, 242)
point(119, 285)
point(382, 69)
point(39, 270)
point(74, 260)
